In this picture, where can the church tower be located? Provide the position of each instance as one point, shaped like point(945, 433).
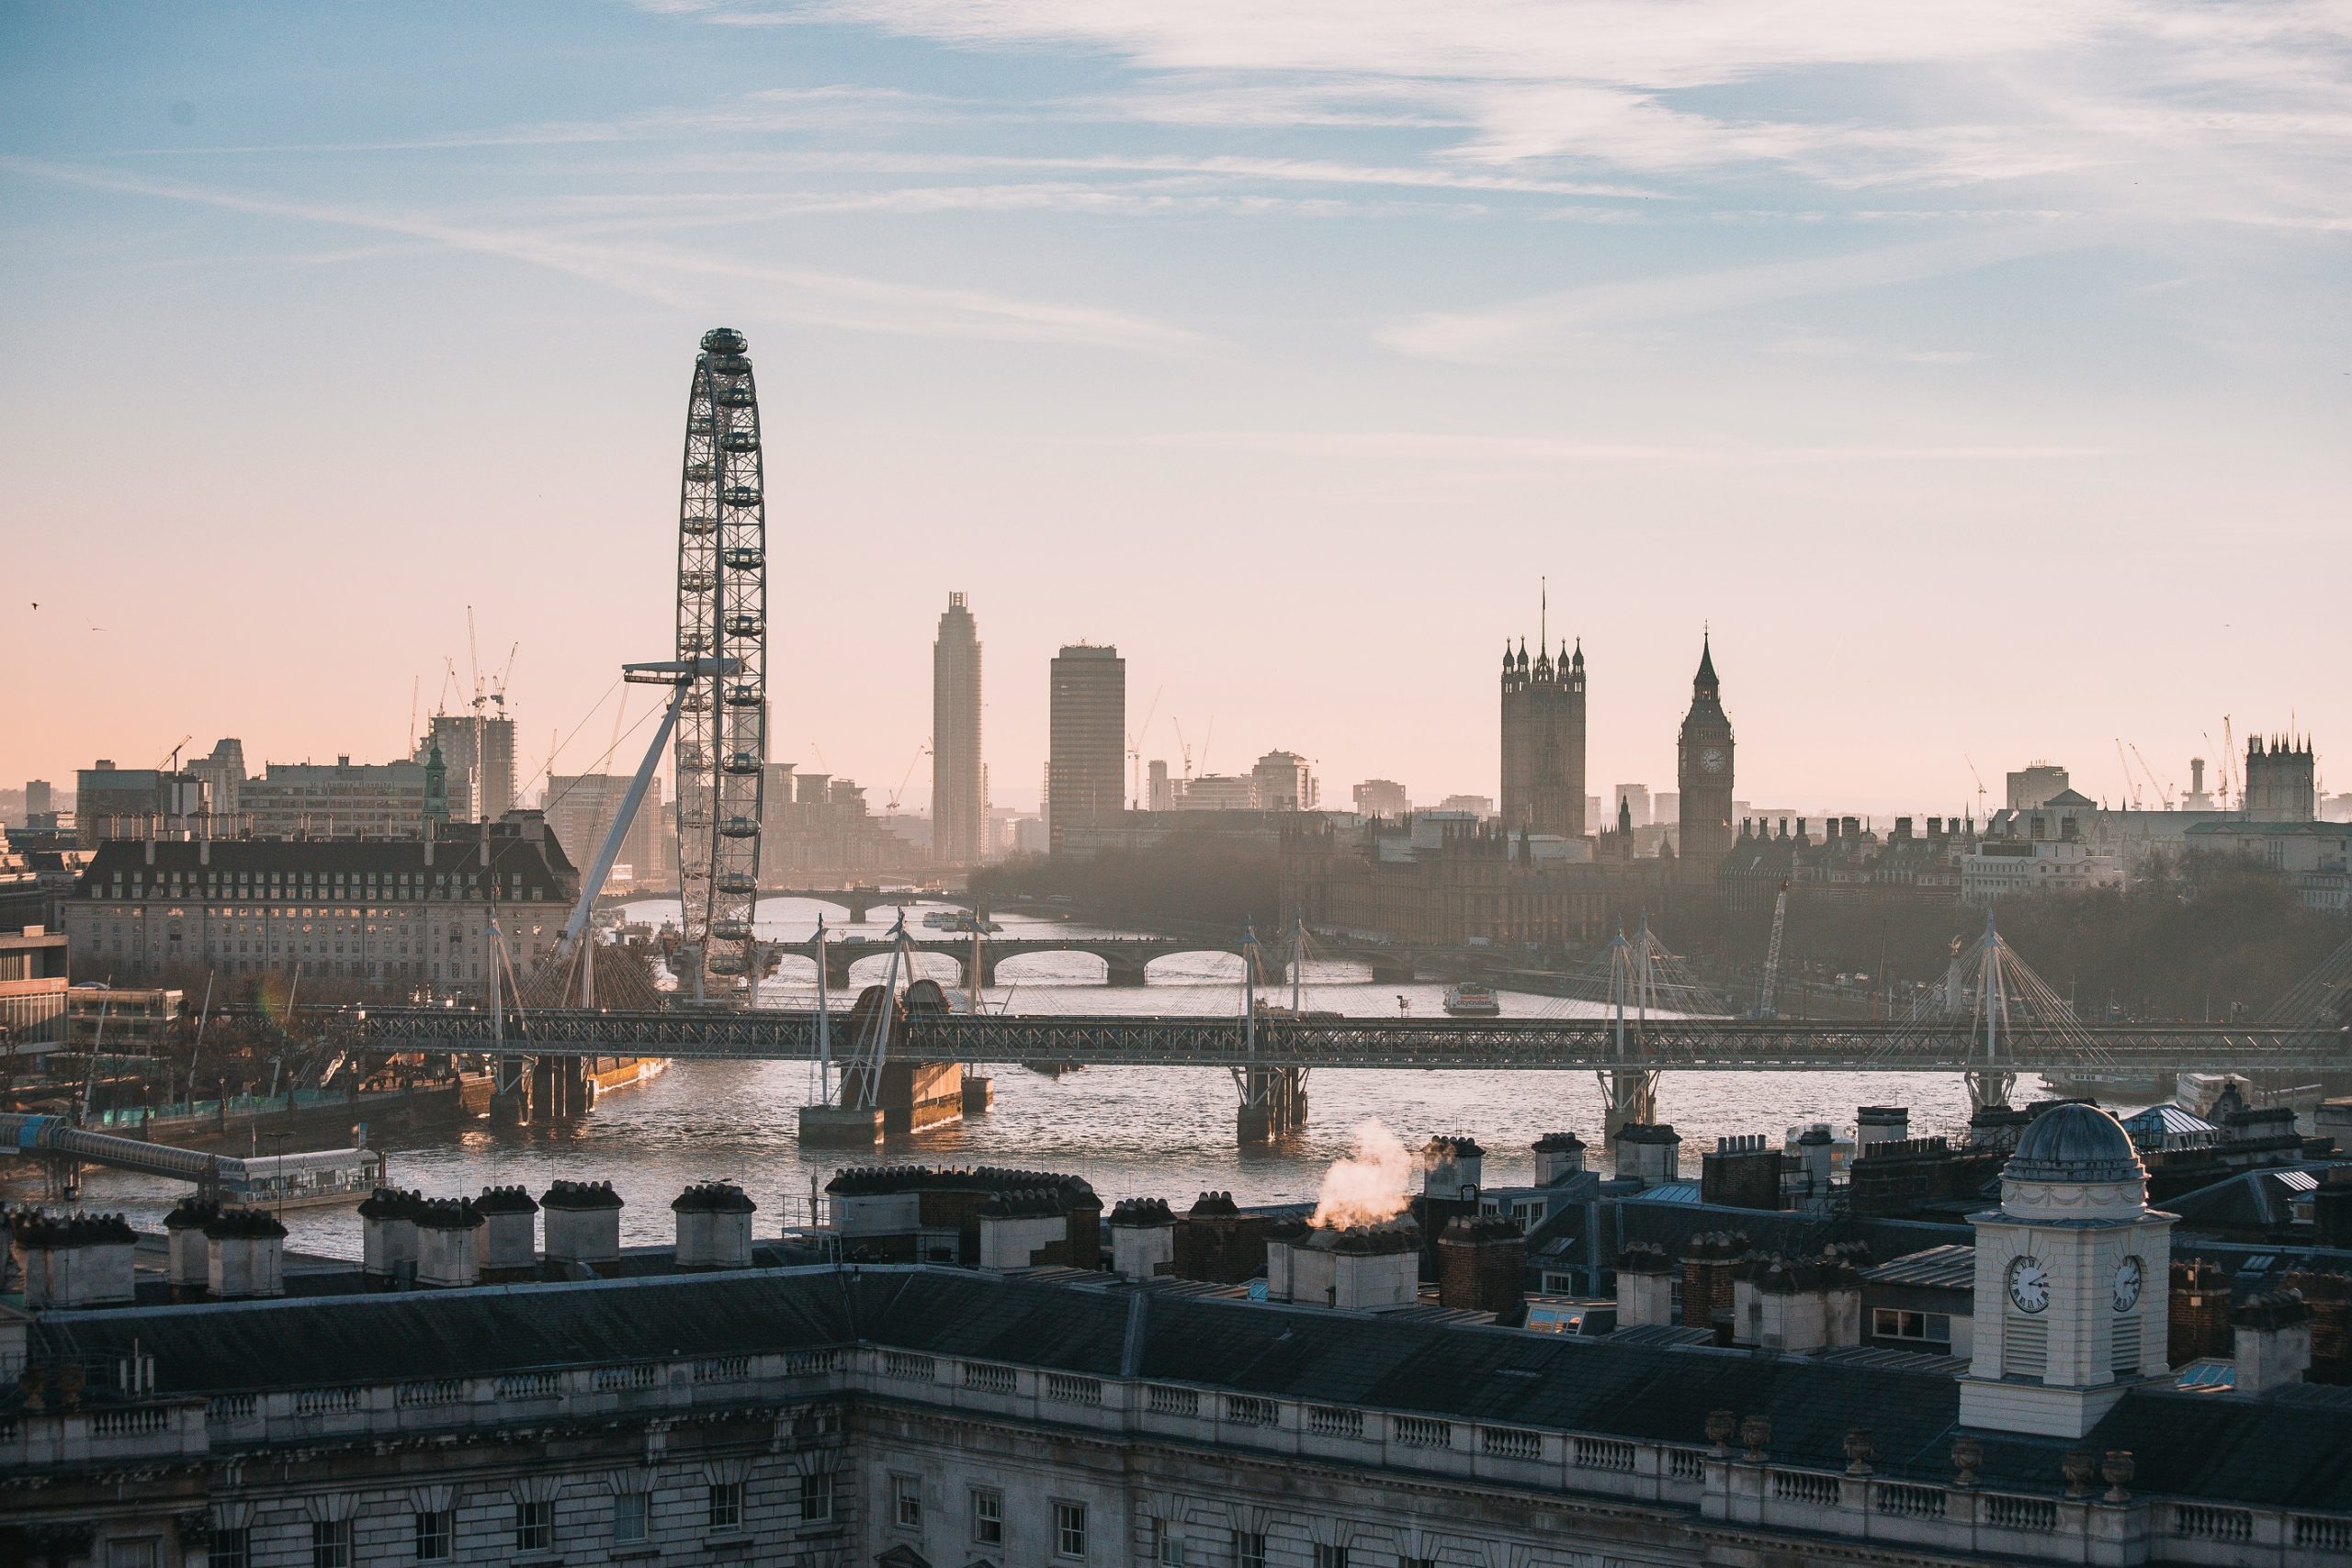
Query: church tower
point(1703, 771)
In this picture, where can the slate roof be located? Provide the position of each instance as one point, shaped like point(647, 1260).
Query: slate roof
point(2292, 1448)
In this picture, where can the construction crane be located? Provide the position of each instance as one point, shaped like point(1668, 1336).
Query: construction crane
point(921, 752)
point(1980, 786)
point(506, 677)
point(1135, 755)
point(2131, 784)
point(2229, 759)
point(2163, 786)
point(169, 762)
point(1184, 747)
point(1772, 955)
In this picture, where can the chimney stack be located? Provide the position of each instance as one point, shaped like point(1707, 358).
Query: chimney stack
point(83, 1260)
point(509, 1239)
point(444, 1243)
point(246, 1254)
point(185, 1267)
point(584, 1222)
point(2271, 1338)
point(1451, 1169)
point(1648, 1152)
point(388, 1234)
point(1558, 1156)
point(1880, 1124)
point(1480, 1263)
point(1645, 1285)
point(1143, 1239)
point(714, 1227)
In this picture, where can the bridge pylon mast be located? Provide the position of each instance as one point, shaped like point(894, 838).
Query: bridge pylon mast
point(1628, 1092)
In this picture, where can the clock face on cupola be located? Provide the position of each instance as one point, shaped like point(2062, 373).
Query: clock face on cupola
point(2064, 1320)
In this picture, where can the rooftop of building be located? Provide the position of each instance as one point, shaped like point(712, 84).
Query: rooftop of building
point(2284, 1448)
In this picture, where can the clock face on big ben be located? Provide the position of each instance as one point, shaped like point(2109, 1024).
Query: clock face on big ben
point(1711, 760)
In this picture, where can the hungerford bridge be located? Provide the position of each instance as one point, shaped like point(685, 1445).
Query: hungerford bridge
point(1994, 1018)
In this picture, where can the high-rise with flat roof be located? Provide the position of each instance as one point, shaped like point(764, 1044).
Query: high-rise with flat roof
point(959, 802)
point(1087, 751)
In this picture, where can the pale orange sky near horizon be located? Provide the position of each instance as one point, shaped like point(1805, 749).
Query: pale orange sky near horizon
point(1290, 377)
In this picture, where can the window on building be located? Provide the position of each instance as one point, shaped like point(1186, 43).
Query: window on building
point(629, 1516)
point(231, 1547)
point(1069, 1530)
point(988, 1517)
point(906, 1502)
point(1330, 1556)
point(534, 1527)
point(131, 1553)
point(330, 1543)
point(436, 1535)
point(817, 1496)
point(1925, 1327)
point(726, 1505)
point(1249, 1550)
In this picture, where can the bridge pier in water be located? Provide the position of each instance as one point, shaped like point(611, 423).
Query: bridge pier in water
point(1273, 1103)
point(541, 1089)
point(1628, 1096)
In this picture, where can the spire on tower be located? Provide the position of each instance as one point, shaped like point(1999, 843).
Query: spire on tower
point(1706, 676)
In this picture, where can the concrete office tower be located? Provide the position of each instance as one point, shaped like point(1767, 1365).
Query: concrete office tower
point(1704, 772)
point(1544, 732)
point(2282, 781)
point(41, 800)
point(1085, 774)
point(223, 774)
point(958, 801)
point(2036, 784)
point(1635, 798)
point(1162, 794)
point(481, 782)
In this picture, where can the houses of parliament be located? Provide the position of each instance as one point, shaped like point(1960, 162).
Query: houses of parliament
point(1544, 732)
point(1537, 874)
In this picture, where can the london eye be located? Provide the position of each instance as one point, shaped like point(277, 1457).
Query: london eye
point(722, 619)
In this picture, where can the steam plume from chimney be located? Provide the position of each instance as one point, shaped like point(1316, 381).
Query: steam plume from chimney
point(1370, 1187)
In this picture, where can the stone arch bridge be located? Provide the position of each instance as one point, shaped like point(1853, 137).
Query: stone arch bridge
point(1127, 959)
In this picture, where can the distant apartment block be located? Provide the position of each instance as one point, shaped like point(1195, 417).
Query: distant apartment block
point(1383, 798)
point(580, 810)
point(343, 799)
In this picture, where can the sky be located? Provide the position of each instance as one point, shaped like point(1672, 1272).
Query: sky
point(1975, 374)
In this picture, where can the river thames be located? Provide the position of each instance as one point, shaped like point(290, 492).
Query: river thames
point(1131, 1132)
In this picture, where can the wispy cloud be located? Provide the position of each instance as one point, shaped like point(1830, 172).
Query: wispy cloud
point(1430, 446)
point(678, 278)
point(1531, 325)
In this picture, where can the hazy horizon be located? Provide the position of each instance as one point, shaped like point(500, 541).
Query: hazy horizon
point(1977, 373)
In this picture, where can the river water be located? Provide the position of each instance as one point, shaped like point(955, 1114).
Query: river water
point(1165, 1132)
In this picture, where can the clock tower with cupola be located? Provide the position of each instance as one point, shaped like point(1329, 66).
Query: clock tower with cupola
point(2073, 1275)
point(1705, 772)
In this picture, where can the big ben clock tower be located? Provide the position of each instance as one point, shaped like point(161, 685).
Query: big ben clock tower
point(1705, 772)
